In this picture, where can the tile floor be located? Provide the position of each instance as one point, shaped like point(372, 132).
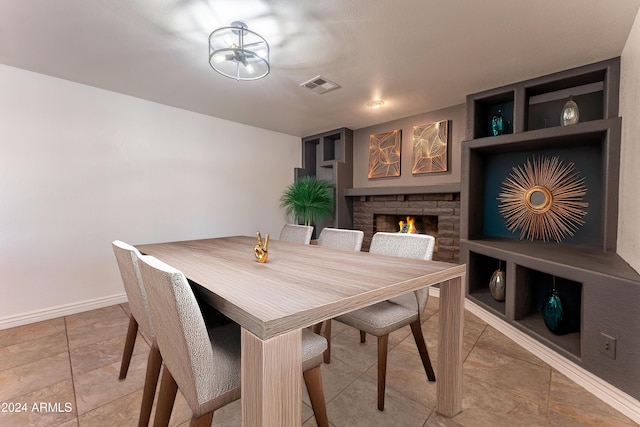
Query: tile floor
point(64, 372)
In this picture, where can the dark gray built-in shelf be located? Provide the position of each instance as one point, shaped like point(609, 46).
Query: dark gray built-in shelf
point(601, 291)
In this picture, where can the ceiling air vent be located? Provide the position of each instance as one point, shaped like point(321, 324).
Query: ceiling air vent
point(320, 85)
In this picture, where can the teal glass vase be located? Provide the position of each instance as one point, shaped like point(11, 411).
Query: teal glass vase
point(554, 313)
point(497, 124)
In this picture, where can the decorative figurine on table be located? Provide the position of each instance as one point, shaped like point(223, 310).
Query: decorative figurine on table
point(260, 250)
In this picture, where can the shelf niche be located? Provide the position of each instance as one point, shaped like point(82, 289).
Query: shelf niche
point(531, 294)
point(484, 266)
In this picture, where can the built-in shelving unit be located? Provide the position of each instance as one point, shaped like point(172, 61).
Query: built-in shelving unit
point(596, 285)
point(329, 156)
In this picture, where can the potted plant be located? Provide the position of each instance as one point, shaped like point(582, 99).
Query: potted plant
point(308, 200)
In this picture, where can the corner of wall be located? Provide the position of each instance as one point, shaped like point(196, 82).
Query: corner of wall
point(629, 205)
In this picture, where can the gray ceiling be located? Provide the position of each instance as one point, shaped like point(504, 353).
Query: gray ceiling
point(416, 55)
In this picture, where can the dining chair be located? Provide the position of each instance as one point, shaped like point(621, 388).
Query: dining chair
point(385, 317)
point(341, 239)
point(127, 259)
point(204, 363)
point(296, 233)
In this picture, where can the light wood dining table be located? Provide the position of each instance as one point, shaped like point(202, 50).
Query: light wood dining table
point(299, 286)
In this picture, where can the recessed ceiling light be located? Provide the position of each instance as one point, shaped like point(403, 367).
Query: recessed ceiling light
point(375, 104)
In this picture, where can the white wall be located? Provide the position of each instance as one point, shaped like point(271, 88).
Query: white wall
point(629, 207)
point(80, 167)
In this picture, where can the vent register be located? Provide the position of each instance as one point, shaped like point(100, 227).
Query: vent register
point(320, 85)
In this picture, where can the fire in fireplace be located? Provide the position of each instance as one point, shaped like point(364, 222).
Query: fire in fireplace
point(422, 224)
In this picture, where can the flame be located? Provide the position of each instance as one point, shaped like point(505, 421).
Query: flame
point(409, 226)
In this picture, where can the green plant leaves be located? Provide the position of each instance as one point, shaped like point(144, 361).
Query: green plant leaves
point(308, 200)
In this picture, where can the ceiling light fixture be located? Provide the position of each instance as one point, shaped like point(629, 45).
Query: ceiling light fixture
point(374, 105)
point(239, 53)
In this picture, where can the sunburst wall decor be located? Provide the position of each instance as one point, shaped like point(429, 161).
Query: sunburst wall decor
point(384, 154)
point(544, 199)
point(430, 147)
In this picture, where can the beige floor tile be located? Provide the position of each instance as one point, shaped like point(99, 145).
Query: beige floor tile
point(494, 340)
point(100, 315)
point(347, 348)
point(47, 406)
point(336, 376)
point(406, 375)
point(30, 351)
point(31, 332)
point(357, 406)
point(94, 332)
point(525, 379)
point(122, 412)
point(485, 405)
point(103, 353)
point(34, 376)
point(572, 405)
point(504, 385)
point(101, 386)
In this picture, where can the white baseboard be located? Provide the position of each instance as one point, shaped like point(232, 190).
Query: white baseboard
point(61, 310)
point(617, 399)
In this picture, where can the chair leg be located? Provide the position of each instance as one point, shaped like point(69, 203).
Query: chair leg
point(327, 334)
point(383, 343)
point(202, 421)
point(132, 331)
point(422, 349)
point(166, 399)
point(317, 328)
point(313, 380)
point(154, 363)
point(363, 337)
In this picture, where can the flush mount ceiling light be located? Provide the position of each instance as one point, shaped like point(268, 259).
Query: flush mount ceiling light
point(239, 53)
point(374, 105)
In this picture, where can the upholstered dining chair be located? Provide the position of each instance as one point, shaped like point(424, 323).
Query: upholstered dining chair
point(204, 363)
point(385, 317)
point(296, 233)
point(342, 239)
point(127, 259)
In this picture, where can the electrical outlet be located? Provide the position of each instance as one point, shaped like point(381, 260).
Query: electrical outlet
point(608, 345)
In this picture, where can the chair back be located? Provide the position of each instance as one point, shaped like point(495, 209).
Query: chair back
point(339, 238)
point(182, 336)
point(296, 233)
point(127, 259)
point(405, 245)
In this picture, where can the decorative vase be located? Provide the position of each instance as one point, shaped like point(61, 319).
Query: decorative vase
point(554, 313)
point(570, 113)
point(497, 285)
point(497, 124)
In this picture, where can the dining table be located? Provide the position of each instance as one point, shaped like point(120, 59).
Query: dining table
point(299, 286)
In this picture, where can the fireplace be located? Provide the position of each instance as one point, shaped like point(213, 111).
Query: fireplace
point(435, 214)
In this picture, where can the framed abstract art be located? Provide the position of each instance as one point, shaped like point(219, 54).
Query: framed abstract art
point(430, 147)
point(384, 154)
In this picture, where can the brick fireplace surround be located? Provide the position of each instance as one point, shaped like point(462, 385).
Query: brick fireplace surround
point(446, 206)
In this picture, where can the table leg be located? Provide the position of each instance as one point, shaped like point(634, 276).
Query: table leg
point(272, 380)
point(450, 337)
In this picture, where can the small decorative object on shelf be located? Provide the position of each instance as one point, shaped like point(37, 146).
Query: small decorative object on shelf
point(554, 313)
point(497, 124)
point(497, 284)
point(261, 249)
point(570, 113)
